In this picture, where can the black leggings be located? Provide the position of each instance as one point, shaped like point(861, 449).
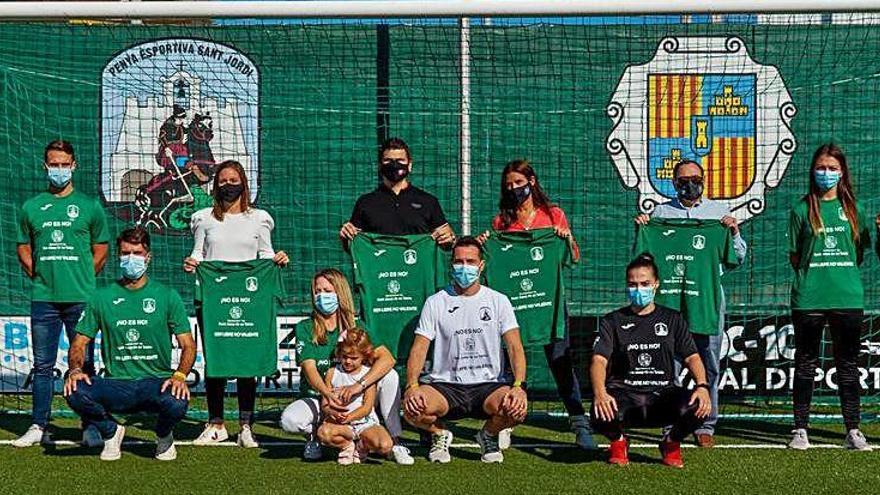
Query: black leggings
point(215, 390)
point(558, 355)
point(667, 406)
point(845, 326)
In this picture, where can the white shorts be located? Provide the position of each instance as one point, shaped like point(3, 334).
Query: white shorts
point(364, 424)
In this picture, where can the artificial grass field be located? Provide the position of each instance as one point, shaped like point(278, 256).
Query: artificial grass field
point(553, 467)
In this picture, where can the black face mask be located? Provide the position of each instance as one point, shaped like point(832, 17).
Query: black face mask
point(689, 190)
point(230, 192)
point(519, 194)
point(394, 171)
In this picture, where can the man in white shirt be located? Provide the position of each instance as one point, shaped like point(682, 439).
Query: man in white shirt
point(467, 323)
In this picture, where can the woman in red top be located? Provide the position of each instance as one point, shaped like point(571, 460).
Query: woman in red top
point(525, 206)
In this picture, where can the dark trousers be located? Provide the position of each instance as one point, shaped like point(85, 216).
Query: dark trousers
point(96, 403)
point(559, 360)
point(667, 406)
point(47, 320)
point(215, 390)
point(845, 327)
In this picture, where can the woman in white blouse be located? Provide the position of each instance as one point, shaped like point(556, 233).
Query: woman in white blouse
point(232, 230)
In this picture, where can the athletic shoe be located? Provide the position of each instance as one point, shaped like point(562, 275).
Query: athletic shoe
point(246, 438)
point(34, 435)
point(113, 446)
point(213, 434)
point(165, 450)
point(799, 440)
point(489, 447)
point(855, 440)
point(583, 436)
point(671, 452)
point(440, 443)
point(348, 456)
point(704, 440)
point(618, 452)
point(361, 451)
point(402, 456)
point(92, 437)
point(312, 450)
point(504, 438)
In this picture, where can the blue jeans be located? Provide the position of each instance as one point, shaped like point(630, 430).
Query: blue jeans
point(709, 348)
point(47, 319)
point(96, 402)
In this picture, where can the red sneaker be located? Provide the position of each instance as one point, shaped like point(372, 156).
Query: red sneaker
point(618, 452)
point(671, 452)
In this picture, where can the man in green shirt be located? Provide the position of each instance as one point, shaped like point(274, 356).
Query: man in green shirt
point(62, 244)
point(136, 317)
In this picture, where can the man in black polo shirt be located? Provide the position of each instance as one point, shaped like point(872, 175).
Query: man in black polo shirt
point(397, 207)
point(633, 370)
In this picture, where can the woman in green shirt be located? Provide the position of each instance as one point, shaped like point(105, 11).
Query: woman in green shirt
point(316, 337)
point(828, 235)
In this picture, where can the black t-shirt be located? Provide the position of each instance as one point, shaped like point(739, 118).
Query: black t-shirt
point(413, 211)
point(642, 349)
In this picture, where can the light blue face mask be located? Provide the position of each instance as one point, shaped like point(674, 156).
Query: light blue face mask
point(465, 275)
point(640, 296)
point(326, 303)
point(826, 179)
point(59, 176)
point(133, 266)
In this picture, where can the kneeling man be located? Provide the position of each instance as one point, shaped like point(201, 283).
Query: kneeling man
point(136, 317)
point(633, 370)
point(467, 323)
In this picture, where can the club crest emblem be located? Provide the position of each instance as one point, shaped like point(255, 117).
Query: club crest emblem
point(526, 284)
point(251, 284)
point(235, 312)
point(393, 287)
point(72, 212)
point(679, 269)
point(537, 253)
point(57, 236)
point(702, 99)
point(699, 242)
point(644, 360)
point(485, 314)
point(171, 110)
point(830, 242)
point(149, 305)
point(410, 257)
point(132, 335)
point(661, 330)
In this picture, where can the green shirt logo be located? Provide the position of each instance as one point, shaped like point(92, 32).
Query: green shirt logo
point(149, 305)
point(251, 284)
point(235, 312)
point(72, 212)
point(132, 335)
point(537, 253)
point(410, 257)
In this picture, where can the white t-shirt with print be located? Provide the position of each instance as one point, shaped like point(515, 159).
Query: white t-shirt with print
point(466, 332)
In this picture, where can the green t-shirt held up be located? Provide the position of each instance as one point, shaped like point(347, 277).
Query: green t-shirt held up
point(136, 327)
point(238, 303)
point(61, 232)
point(394, 275)
point(526, 266)
point(828, 273)
point(689, 254)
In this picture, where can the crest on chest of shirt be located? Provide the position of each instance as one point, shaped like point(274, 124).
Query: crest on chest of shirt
point(149, 305)
point(171, 110)
point(72, 212)
point(706, 100)
point(410, 257)
point(485, 313)
point(661, 330)
point(537, 253)
point(251, 284)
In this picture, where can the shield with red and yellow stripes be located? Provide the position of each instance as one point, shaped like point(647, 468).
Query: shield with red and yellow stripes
point(707, 118)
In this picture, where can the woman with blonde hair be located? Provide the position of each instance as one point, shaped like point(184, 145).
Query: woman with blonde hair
point(332, 317)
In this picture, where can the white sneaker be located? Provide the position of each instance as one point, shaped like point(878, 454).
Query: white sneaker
point(855, 440)
point(246, 438)
point(348, 455)
point(504, 438)
point(402, 456)
point(212, 435)
point(113, 446)
point(33, 436)
point(312, 450)
point(799, 440)
point(440, 443)
point(165, 450)
point(489, 447)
